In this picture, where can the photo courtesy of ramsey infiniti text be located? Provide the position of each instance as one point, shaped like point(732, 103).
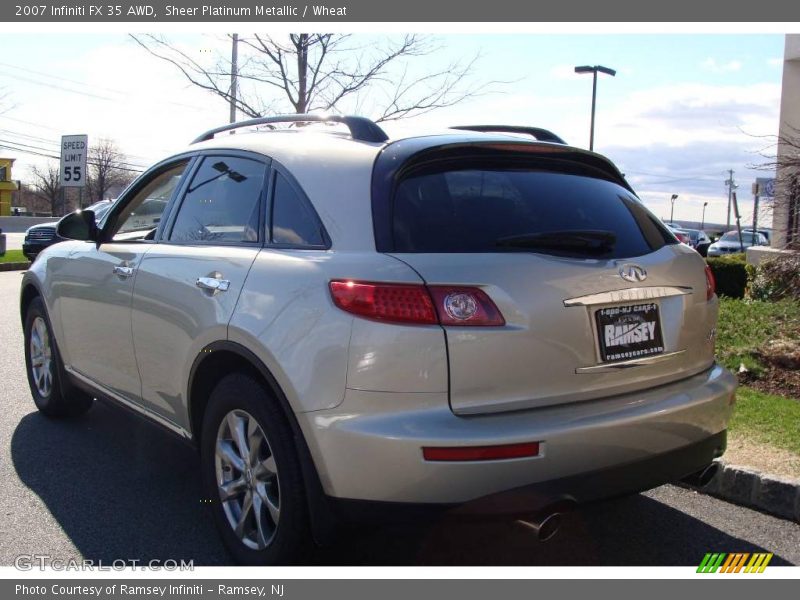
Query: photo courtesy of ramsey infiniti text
point(483, 319)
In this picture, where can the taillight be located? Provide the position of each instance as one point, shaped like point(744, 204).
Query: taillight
point(416, 303)
point(399, 303)
point(683, 238)
point(711, 284)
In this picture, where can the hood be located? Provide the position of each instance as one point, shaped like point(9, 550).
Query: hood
point(38, 225)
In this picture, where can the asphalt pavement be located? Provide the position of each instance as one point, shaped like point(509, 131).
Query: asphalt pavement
point(109, 486)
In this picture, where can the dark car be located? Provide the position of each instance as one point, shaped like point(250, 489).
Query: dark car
point(699, 240)
point(39, 237)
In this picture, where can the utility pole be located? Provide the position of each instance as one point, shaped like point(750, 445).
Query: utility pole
point(731, 185)
point(234, 75)
point(756, 199)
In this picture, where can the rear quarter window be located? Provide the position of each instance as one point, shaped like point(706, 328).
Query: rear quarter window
point(470, 209)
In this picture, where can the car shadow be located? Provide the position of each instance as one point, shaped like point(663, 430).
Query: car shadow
point(122, 490)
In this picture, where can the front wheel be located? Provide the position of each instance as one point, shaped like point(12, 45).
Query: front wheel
point(51, 393)
point(252, 475)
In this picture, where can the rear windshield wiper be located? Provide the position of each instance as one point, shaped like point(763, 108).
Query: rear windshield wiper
point(595, 241)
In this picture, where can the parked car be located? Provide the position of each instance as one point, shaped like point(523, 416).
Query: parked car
point(729, 243)
point(699, 240)
point(347, 324)
point(39, 237)
point(681, 234)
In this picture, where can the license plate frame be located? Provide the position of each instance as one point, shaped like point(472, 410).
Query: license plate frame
point(635, 332)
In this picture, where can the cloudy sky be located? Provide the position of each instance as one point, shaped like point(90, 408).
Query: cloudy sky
point(682, 110)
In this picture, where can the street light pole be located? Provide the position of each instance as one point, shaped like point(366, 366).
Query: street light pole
point(594, 70)
point(672, 208)
point(703, 222)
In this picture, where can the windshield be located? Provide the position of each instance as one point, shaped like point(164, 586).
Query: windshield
point(100, 209)
point(733, 236)
point(495, 210)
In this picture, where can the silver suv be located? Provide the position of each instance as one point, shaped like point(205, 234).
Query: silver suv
point(341, 321)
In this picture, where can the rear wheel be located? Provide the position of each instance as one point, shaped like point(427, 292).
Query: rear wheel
point(51, 392)
point(252, 475)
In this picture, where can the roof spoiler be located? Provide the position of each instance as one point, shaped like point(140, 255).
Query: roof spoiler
point(542, 135)
point(361, 128)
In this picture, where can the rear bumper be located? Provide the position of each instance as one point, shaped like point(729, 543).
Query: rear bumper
point(369, 448)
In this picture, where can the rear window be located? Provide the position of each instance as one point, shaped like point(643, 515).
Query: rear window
point(473, 210)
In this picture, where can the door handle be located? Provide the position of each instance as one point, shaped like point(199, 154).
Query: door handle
point(212, 284)
point(123, 271)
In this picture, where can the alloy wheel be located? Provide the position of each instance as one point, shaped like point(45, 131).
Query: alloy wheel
point(247, 479)
point(41, 357)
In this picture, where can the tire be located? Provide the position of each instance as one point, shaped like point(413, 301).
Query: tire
point(271, 477)
point(51, 392)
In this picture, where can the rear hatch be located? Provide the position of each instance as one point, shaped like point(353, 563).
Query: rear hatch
point(597, 296)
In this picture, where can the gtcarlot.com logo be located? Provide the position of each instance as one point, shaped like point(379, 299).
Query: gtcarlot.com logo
point(28, 562)
point(736, 562)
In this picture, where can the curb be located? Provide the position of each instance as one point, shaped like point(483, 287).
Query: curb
point(20, 266)
point(778, 496)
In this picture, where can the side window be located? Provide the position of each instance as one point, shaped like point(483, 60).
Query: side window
point(141, 216)
point(222, 202)
point(294, 222)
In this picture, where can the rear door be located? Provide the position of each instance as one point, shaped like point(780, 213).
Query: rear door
point(597, 297)
point(188, 284)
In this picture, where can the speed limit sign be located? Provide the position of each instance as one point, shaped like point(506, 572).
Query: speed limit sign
point(73, 160)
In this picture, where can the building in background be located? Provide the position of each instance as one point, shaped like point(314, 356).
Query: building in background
point(786, 211)
point(7, 186)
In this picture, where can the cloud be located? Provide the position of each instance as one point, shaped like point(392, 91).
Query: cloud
point(775, 62)
point(695, 171)
point(711, 64)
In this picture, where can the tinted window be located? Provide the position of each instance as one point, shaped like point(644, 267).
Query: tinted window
point(733, 236)
point(470, 210)
point(222, 202)
point(293, 220)
point(141, 216)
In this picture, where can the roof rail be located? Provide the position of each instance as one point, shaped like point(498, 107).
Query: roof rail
point(361, 128)
point(543, 135)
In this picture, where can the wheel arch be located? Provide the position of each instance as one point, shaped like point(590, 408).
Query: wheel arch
point(29, 291)
point(222, 357)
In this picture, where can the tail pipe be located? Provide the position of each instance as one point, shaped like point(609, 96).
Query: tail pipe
point(545, 526)
point(702, 477)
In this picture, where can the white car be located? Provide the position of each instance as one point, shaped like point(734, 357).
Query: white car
point(342, 321)
point(730, 243)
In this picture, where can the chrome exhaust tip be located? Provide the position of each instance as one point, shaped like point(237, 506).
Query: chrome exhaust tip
point(544, 528)
point(703, 477)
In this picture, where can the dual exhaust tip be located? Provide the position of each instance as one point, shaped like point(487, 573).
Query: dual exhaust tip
point(545, 525)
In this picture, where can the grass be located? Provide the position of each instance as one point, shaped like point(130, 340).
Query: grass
point(13, 256)
point(767, 419)
point(746, 325)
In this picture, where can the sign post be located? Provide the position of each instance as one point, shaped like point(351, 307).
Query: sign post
point(74, 149)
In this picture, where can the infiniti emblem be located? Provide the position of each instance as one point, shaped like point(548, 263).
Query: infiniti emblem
point(631, 272)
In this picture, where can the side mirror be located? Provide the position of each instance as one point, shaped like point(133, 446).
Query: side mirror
point(79, 225)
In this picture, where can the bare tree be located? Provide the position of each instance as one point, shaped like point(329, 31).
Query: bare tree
point(323, 72)
point(45, 184)
point(785, 163)
point(107, 169)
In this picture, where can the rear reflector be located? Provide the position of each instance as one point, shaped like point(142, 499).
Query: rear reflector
point(399, 303)
point(711, 284)
point(471, 453)
point(416, 303)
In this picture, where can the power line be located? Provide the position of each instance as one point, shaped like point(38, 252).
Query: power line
point(57, 145)
point(43, 152)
